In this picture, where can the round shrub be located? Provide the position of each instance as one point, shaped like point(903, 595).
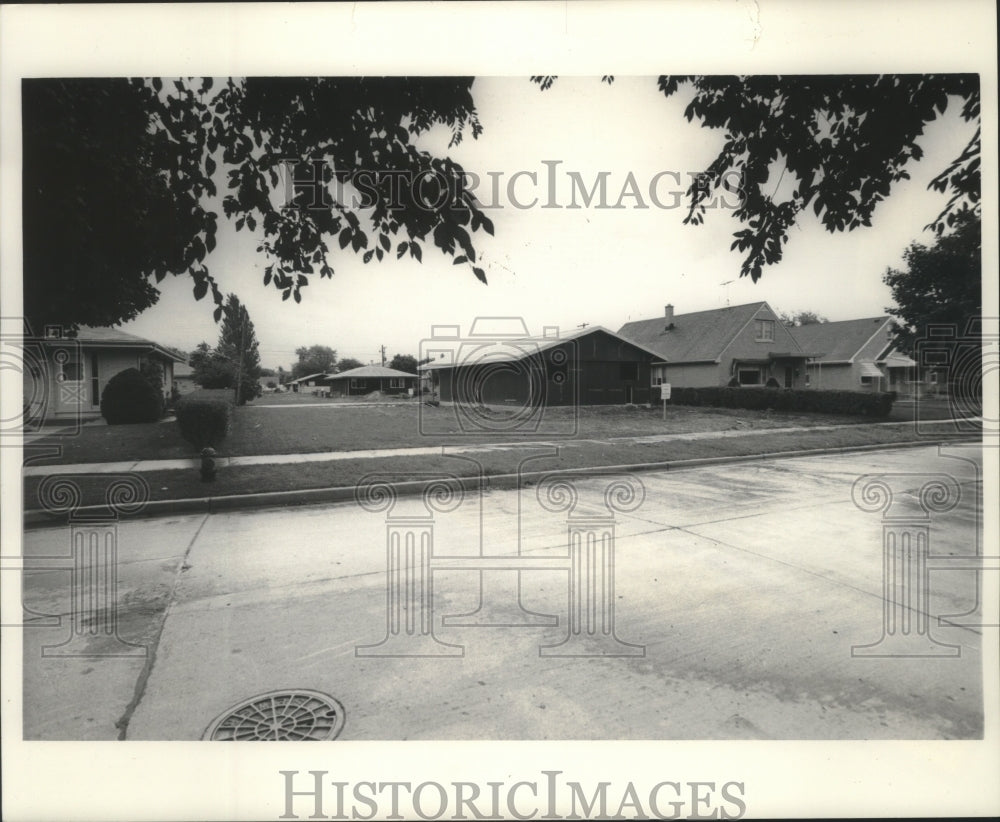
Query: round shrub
point(204, 422)
point(130, 398)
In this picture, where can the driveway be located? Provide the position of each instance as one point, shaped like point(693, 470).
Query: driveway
point(741, 596)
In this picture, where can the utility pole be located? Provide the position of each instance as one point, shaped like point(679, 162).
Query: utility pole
point(383, 356)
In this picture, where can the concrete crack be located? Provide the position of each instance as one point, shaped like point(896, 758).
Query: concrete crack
point(147, 669)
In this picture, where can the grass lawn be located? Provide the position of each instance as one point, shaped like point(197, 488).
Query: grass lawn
point(330, 426)
point(183, 484)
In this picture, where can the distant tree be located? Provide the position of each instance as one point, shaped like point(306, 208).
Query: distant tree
point(283, 375)
point(798, 318)
point(238, 345)
point(316, 359)
point(235, 360)
point(268, 372)
point(941, 284)
point(348, 363)
point(404, 362)
point(210, 369)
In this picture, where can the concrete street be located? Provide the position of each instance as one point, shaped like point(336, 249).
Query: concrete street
point(740, 588)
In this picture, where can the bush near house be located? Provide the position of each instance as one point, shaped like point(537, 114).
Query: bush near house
point(787, 399)
point(130, 398)
point(204, 421)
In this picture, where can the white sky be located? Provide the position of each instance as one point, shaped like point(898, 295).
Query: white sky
point(562, 266)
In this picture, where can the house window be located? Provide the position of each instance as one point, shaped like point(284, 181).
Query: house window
point(658, 381)
point(764, 330)
point(72, 371)
point(357, 383)
point(95, 388)
point(866, 380)
point(807, 379)
point(749, 376)
point(395, 382)
point(932, 378)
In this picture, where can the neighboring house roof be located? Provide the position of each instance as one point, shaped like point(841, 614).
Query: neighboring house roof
point(369, 372)
point(700, 336)
point(841, 342)
point(517, 349)
point(318, 375)
point(94, 337)
point(896, 360)
point(869, 369)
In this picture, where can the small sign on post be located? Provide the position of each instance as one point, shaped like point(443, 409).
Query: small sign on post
point(665, 395)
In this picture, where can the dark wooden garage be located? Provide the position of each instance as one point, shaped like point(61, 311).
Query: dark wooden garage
point(593, 366)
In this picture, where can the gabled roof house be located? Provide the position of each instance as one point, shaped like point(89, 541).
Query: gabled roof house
point(368, 378)
point(67, 384)
point(587, 366)
point(748, 343)
point(858, 355)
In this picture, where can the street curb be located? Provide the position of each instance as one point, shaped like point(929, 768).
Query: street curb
point(314, 496)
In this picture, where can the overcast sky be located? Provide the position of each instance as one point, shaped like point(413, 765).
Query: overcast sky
point(560, 266)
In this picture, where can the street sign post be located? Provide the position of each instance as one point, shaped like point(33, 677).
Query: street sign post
point(665, 395)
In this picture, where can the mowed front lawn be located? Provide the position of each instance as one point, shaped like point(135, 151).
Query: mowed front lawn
point(260, 430)
point(174, 484)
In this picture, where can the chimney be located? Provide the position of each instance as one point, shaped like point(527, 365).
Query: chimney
point(668, 313)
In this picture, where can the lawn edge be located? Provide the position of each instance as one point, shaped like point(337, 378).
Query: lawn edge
point(36, 518)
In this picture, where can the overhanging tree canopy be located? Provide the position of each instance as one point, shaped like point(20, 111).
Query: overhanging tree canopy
point(119, 175)
point(837, 142)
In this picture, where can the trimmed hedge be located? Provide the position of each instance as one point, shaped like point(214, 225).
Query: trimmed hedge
point(787, 399)
point(130, 398)
point(204, 422)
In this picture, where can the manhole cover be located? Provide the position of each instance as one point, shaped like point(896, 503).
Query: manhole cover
point(280, 715)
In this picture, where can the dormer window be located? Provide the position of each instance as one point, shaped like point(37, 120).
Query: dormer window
point(764, 330)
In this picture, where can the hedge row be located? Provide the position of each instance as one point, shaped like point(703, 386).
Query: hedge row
point(204, 422)
point(787, 399)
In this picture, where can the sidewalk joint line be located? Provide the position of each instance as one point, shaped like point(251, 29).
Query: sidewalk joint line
point(147, 669)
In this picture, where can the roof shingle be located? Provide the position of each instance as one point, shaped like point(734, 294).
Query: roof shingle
point(696, 337)
point(838, 341)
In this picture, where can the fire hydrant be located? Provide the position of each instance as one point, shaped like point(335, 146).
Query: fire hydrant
point(207, 464)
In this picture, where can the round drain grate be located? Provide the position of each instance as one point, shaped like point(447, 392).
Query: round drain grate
point(280, 715)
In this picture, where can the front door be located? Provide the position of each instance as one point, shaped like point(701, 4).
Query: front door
point(628, 394)
point(789, 374)
point(72, 389)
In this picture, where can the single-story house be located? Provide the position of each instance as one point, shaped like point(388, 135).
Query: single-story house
point(69, 382)
point(858, 355)
point(310, 381)
point(589, 366)
point(705, 348)
point(184, 378)
point(368, 378)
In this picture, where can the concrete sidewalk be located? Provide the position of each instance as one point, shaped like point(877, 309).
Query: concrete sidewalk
point(745, 587)
point(431, 450)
